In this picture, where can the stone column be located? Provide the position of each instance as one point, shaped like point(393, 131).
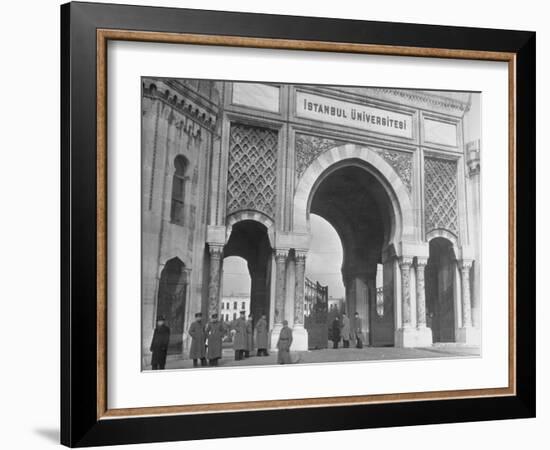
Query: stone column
point(300, 338)
point(299, 292)
point(216, 252)
point(281, 255)
point(280, 263)
point(467, 334)
point(465, 267)
point(420, 293)
point(405, 266)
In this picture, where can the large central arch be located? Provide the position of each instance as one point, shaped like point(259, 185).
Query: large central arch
point(403, 228)
point(364, 199)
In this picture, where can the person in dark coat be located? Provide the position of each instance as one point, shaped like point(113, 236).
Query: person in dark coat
point(198, 341)
point(284, 343)
point(249, 337)
point(335, 336)
point(215, 331)
point(345, 331)
point(358, 331)
point(159, 345)
point(239, 338)
point(261, 336)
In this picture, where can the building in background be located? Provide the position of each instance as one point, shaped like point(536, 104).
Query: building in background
point(232, 305)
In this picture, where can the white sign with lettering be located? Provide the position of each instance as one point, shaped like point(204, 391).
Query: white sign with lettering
point(325, 109)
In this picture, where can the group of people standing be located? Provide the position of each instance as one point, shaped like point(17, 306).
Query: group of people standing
point(341, 330)
point(207, 340)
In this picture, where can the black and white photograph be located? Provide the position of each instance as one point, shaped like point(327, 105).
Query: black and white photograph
point(303, 224)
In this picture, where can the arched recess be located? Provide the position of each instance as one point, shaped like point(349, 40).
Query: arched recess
point(403, 228)
point(252, 215)
point(171, 300)
point(440, 285)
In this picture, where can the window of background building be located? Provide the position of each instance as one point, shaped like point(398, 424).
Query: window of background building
point(234, 305)
point(234, 316)
point(243, 305)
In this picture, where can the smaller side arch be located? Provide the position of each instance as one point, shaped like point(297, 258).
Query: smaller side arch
point(443, 233)
point(256, 216)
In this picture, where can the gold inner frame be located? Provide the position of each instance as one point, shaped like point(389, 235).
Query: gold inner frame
point(104, 35)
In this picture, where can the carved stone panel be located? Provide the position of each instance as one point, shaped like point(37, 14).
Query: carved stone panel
point(401, 162)
point(440, 192)
point(252, 172)
point(308, 147)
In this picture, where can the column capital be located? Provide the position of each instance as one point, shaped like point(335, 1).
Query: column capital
point(465, 264)
point(300, 256)
point(421, 262)
point(281, 253)
point(405, 261)
point(215, 250)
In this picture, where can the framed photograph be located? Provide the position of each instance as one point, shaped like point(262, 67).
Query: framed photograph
point(276, 224)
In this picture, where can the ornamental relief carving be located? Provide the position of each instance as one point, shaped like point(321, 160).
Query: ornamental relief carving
point(308, 148)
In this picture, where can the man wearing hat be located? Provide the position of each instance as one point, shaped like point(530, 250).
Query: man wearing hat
point(214, 332)
point(261, 336)
point(249, 337)
point(284, 343)
point(198, 338)
point(240, 337)
point(159, 344)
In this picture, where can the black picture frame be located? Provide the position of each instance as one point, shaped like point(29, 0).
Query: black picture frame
point(80, 425)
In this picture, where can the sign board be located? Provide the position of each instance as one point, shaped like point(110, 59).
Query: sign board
point(368, 118)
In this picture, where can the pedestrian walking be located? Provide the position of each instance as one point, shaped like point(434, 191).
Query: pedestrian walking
point(249, 337)
point(261, 336)
point(159, 344)
point(284, 343)
point(239, 338)
point(198, 341)
point(358, 331)
point(335, 335)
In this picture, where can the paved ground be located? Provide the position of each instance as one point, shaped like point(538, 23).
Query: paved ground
point(340, 355)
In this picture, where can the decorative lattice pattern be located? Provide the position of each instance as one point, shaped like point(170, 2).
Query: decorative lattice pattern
point(440, 194)
point(252, 179)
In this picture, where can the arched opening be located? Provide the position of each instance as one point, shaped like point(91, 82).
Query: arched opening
point(440, 290)
point(351, 197)
point(249, 240)
point(236, 285)
point(171, 301)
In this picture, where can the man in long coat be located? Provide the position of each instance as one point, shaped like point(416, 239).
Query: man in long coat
point(239, 339)
point(159, 345)
point(358, 331)
point(215, 331)
point(346, 330)
point(198, 338)
point(249, 337)
point(335, 335)
point(284, 343)
point(261, 336)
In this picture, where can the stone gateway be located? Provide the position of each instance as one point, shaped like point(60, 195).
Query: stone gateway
point(236, 169)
